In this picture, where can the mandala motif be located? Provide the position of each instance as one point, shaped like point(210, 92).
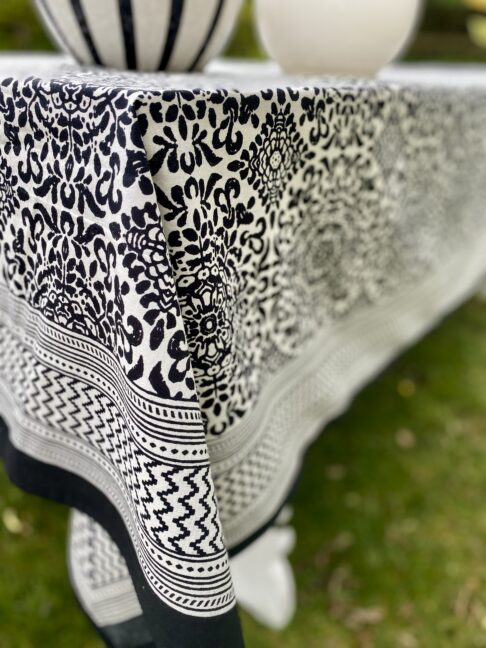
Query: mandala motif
point(274, 157)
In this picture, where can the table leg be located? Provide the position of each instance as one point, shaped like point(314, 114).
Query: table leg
point(263, 577)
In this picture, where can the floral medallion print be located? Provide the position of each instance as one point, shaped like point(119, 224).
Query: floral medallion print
point(275, 156)
point(172, 251)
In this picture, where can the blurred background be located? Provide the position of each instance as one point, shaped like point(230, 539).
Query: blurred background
point(390, 512)
point(444, 34)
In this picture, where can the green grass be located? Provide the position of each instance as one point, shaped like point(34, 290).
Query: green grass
point(392, 554)
point(37, 606)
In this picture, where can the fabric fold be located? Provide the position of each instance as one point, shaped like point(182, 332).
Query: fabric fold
point(96, 377)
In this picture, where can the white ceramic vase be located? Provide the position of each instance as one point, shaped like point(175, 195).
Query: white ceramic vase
point(338, 37)
point(173, 35)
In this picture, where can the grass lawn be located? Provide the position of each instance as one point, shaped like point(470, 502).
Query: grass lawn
point(390, 516)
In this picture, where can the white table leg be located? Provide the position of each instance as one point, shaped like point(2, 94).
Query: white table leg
point(263, 577)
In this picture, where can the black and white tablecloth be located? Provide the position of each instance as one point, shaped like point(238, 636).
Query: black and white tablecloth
point(196, 273)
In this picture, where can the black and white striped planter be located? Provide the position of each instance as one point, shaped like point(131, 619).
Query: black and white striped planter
point(172, 35)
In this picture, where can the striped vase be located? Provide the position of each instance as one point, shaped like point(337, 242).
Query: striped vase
point(172, 35)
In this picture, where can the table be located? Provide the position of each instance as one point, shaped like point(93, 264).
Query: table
point(196, 274)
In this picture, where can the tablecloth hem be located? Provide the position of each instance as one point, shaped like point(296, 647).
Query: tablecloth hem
point(112, 635)
point(174, 628)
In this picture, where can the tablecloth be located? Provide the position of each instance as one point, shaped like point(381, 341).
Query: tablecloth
point(197, 272)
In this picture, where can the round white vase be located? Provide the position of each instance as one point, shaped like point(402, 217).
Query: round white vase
point(172, 35)
point(338, 37)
